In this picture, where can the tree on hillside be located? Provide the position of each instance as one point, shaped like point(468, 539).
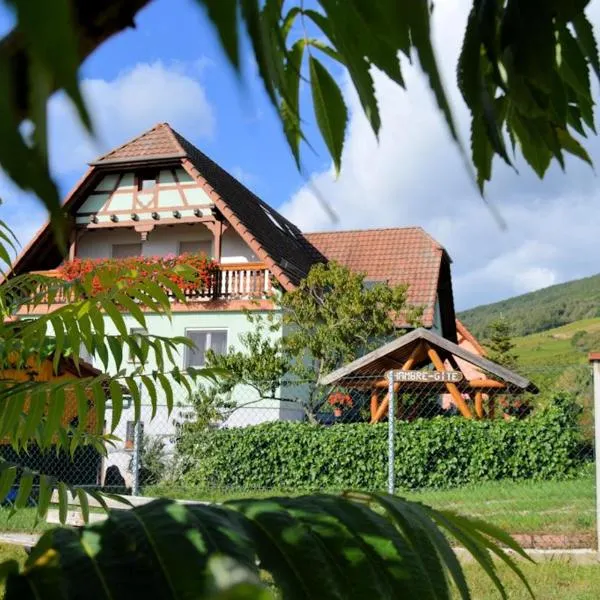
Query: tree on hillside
point(331, 318)
point(500, 345)
point(524, 71)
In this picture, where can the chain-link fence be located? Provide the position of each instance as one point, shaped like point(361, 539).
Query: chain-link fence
point(521, 460)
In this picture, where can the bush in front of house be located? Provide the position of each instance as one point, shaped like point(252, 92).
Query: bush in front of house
point(435, 453)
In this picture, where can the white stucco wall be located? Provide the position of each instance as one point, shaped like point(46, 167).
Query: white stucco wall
point(235, 250)
point(252, 410)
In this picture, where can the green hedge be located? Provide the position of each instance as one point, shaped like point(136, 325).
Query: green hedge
point(436, 453)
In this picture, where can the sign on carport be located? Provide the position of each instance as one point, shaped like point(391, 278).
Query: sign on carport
point(428, 376)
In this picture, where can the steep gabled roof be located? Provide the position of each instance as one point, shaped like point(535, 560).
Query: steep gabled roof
point(401, 255)
point(274, 239)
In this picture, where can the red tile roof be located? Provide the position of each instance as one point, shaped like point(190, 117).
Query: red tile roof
point(402, 255)
point(158, 142)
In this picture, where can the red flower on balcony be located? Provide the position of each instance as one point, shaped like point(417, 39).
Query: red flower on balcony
point(198, 274)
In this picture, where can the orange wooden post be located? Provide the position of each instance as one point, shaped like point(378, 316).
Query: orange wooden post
point(374, 404)
point(479, 404)
point(385, 402)
point(462, 406)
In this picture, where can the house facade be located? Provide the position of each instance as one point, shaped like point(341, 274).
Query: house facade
point(158, 195)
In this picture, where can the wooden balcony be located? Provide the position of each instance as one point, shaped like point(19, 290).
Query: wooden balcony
point(241, 281)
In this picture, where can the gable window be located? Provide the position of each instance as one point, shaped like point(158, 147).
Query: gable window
point(204, 339)
point(126, 250)
point(196, 247)
point(146, 180)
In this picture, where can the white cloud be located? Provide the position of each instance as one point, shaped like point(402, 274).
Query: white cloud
point(123, 107)
point(415, 176)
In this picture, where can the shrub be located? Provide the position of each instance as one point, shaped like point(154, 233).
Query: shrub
point(435, 453)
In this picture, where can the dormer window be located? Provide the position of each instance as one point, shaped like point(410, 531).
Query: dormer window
point(146, 180)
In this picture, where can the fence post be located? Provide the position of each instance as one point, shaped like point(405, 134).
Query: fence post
point(137, 449)
point(391, 428)
point(595, 360)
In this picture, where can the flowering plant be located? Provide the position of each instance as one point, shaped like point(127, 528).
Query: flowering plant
point(189, 271)
point(340, 400)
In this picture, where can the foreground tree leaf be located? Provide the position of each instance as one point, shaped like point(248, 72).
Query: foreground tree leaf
point(522, 50)
point(318, 546)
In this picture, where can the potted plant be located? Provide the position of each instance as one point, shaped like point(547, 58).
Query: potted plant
point(340, 402)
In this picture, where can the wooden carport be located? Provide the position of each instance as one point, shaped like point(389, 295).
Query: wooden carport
point(423, 348)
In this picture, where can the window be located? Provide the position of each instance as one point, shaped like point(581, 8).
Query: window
point(126, 250)
point(146, 180)
point(215, 340)
point(196, 247)
point(136, 331)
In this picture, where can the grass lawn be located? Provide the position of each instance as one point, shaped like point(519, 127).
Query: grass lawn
point(23, 521)
point(550, 580)
point(557, 507)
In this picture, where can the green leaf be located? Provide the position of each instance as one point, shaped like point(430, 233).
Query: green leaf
point(134, 391)
point(63, 502)
point(84, 504)
point(290, 108)
point(25, 487)
point(330, 110)
point(44, 495)
point(345, 31)
point(571, 145)
point(56, 410)
point(99, 404)
point(223, 14)
point(51, 37)
point(573, 65)
point(150, 387)
point(116, 349)
point(116, 396)
point(418, 14)
point(167, 390)
point(115, 315)
point(8, 475)
point(587, 41)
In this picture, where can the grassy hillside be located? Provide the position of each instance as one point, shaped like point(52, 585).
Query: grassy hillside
point(539, 311)
point(561, 346)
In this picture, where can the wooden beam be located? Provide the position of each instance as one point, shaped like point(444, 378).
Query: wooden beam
point(462, 406)
point(487, 383)
point(479, 405)
point(217, 237)
point(374, 403)
point(405, 367)
point(73, 245)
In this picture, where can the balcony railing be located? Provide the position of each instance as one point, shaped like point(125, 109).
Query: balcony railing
point(241, 281)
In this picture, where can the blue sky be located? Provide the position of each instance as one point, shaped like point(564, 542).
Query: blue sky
point(170, 68)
